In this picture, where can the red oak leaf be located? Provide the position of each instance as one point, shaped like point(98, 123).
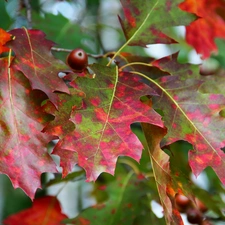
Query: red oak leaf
point(191, 115)
point(144, 23)
point(211, 24)
point(194, 117)
point(4, 38)
point(45, 210)
point(37, 63)
point(161, 168)
point(23, 156)
point(103, 131)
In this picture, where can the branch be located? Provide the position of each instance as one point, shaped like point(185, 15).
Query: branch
point(28, 9)
point(109, 54)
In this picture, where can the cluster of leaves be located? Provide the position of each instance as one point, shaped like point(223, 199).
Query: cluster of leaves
point(90, 114)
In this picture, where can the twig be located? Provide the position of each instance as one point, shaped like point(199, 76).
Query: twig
point(61, 49)
point(98, 30)
point(214, 219)
point(29, 9)
point(109, 54)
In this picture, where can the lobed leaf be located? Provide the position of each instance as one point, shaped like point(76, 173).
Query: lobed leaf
point(161, 169)
point(144, 24)
point(103, 131)
point(189, 114)
point(171, 66)
point(23, 154)
point(201, 33)
point(194, 117)
point(33, 57)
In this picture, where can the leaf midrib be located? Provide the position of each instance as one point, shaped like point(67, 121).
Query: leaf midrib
point(109, 110)
point(135, 33)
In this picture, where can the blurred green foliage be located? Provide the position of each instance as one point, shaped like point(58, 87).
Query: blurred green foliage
point(5, 19)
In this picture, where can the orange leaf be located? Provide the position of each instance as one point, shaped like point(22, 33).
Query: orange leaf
point(45, 210)
point(210, 25)
point(4, 37)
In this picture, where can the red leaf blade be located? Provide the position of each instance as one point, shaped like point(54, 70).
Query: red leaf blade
point(62, 125)
point(194, 117)
point(37, 63)
point(161, 168)
point(145, 17)
point(103, 125)
point(23, 154)
point(45, 210)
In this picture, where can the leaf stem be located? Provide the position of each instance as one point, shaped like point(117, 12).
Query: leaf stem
point(135, 63)
point(131, 164)
point(28, 9)
point(149, 175)
point(148, 78)
point(61, 49)
point(121, 48)
point(61, 188)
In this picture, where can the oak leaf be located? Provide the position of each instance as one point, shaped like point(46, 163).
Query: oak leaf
point(103, 131)
point(161, 167)
point(201, 33)
point(23, 153)
point(144, 24)
point(194, 117)
point(34, 59)
point(191, 115)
